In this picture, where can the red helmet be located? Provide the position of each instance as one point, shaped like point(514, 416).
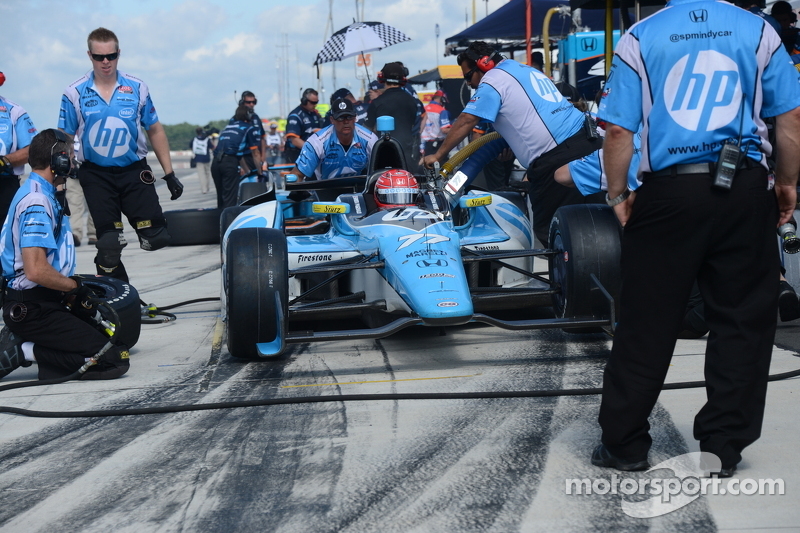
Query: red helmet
point(396, 188)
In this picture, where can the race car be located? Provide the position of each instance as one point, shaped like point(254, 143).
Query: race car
point(351, 267)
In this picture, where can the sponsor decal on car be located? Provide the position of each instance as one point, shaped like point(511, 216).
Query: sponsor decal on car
point(437, 275)
point(301, 258)
point(491, 247)
point(425, 263)
point(447, 304)
point(420, 253)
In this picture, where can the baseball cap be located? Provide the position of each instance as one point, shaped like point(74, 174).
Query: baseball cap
point(273, 125)
point(439, 93)
point(375, 86)
point(342, 108)
point(340, 93)
point(393, 72)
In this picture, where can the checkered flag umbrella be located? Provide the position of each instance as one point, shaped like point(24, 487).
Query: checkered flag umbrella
point(358, 38)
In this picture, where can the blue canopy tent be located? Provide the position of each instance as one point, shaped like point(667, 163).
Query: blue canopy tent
point(506, 27)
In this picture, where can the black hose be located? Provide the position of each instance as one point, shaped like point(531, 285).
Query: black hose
point(342, 398)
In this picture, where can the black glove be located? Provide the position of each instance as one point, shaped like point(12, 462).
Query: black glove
point(175, 187)
point(82, 295)
point(5, 166)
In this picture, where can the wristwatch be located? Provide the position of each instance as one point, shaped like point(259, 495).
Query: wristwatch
point(619, 199)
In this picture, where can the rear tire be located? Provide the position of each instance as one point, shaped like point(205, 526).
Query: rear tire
point(588, 239)
point(124, 299)
point(257, 269)
point(193, 226)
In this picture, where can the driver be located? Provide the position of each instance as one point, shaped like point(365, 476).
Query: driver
point(336, 151)
point(396, 188)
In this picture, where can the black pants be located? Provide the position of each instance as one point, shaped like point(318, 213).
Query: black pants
point(682, 229)
point(62, 341)
point(225, 173)
point(9, 185)
point(546, 194)
point(113, 191)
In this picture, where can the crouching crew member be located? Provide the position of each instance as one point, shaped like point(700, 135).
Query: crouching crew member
point(38, 257)
point(107, 109)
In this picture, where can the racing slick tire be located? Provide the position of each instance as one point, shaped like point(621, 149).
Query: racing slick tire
point(257, 271)
point(193, 226)
point(587, 238)
point(249, 190)
point(228, 215)
point(124, 299)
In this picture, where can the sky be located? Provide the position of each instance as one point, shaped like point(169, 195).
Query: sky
point(197, 56)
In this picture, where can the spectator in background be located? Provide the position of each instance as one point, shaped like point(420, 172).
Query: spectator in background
point(202, 147)
point(274, 145)
point(437, 124)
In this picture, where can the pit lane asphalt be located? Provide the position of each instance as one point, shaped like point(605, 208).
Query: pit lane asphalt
point(448, 465)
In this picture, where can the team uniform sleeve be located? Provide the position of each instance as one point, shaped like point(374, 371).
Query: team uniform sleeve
point(293, 127)
point(251, 138)
point(67, 116)
point(26, 131)
point(622, 96)
point(307, 161)
point(149, 115)
point(485, 103)
point(35, 226)
point(781, 84)
point(444, 119)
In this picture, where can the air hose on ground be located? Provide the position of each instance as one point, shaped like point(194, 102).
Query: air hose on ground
point(101, 413)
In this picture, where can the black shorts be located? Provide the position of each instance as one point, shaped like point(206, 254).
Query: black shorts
point(113, 191)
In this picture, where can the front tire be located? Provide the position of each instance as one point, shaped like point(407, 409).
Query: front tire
point(587, 237)
point(257, 281)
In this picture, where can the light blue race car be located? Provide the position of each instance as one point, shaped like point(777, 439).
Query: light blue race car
point(303, 270)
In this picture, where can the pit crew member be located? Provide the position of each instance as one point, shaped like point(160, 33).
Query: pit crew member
point(542, 128)
point(16, 132)
point(38, 263)
point(706, 210)
point(339, 150)
point(302, 123)
point(107, 109)
point(237, 139)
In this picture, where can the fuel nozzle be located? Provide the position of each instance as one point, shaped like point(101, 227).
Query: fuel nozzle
point(789, 239)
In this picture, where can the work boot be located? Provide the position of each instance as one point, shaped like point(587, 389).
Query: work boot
point(11, 356)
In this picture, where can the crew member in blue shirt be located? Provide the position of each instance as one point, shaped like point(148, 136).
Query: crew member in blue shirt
point(106, 109)
point(238, 138)
point(543, 129)
point(38, 265)
point(698, 77)
point(302, 123)
point(339, 150)
point(249, 100)
point(16, 132)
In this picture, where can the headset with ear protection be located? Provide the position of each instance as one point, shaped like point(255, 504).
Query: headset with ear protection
point(486, 62)
point(59, 159)
point(245, 94)
point(402, 81)
point(304, 98)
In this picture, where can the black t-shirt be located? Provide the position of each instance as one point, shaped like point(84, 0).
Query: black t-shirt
point(397, 103)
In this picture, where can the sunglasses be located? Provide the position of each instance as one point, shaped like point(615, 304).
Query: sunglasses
point(313, 102)
point(345, 119)
point(100, 57)
point(468, 75)
point(253, 102)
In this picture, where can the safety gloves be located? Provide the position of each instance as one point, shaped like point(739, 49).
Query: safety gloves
point(175, 187)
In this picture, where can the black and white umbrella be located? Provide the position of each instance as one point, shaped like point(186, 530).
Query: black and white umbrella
point(358, 38)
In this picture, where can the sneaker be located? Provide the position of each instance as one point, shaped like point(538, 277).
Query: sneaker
point(11, 356)
point(788, 304)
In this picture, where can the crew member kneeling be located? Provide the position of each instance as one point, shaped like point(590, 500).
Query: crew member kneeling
point(38, 256)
